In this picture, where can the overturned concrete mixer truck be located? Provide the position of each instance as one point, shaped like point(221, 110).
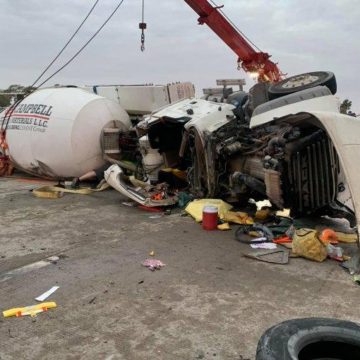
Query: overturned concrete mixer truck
point(286, 142)
point(55, 132)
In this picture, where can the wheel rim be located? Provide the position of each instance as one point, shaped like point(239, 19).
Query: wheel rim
point(300, 80)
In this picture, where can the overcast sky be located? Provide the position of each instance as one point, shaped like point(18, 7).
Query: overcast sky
point(301, 35)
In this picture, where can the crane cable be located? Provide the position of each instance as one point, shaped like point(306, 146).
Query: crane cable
point(230, 21)
point(9, 112)
point(11, 109)
point(84, 46)
point(65, 46)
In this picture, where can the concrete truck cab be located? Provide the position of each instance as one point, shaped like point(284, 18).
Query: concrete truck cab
point(291, 146)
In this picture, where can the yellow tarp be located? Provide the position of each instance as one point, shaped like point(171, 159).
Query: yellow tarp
point(224, 226)
point(238, 217)
point(307, 244)
point(346, 238)
point(195, 208)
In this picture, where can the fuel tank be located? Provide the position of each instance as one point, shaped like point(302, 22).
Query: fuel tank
point(55, 133)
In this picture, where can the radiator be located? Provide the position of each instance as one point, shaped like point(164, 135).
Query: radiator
point(313, 175)
point(110, 141)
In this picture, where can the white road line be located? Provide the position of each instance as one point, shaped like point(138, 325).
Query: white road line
point(27, 268)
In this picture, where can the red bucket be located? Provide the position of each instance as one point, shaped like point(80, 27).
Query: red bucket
point(210, 217)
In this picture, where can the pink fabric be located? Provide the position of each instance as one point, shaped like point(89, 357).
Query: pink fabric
point(153, 264)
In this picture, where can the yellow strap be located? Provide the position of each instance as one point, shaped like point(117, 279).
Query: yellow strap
point(54, 192)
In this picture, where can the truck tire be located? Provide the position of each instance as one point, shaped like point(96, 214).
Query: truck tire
point(310, 339)
point(302, 82)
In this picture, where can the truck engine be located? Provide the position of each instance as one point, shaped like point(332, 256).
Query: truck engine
point(289, 159)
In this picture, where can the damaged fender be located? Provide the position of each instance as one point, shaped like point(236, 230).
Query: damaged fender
point(115, 177)
point(344, 131)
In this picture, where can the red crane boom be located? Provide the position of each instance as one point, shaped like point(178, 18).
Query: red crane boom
point(249, 59)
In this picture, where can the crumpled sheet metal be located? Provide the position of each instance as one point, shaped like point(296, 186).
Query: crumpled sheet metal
point(114, 176)
point(195, 208)
point(352, 265)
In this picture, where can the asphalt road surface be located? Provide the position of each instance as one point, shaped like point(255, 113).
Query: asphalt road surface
point(208, 302)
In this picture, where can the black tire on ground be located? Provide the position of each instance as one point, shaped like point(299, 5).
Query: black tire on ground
point(302, 82)
point(310, 339)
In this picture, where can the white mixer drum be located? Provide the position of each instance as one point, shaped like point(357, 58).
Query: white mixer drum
point(55, 133)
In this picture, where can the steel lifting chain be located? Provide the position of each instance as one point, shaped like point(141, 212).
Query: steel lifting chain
point(142, 27)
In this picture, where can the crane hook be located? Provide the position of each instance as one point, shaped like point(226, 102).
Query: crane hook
point(142, 26)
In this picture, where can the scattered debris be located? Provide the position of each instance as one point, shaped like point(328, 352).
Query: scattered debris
point(353, 264)
point(346, 237)
point(283, 213)
point(335, 252)
point(195, 208)
point(45, 193)
point(356, 279)
point(282, 240)
point(150, 208)
point(155, 216)
point(264, 245)
point(264, 230)
point(242, 235)
point(238, 217)
point(54, 259)
point(184, 199)
point(255, 233)
point(278, 256)
point(262, 214)
point(32, 310)
point(210, 217)
point(141, 192)
point(55, 192)
point(153, 264)
point(258, 239)
point(46, 294)
point(328, 236)
point(307, 244)
point(129, 203)
point(224, 226)
point(92, 300)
